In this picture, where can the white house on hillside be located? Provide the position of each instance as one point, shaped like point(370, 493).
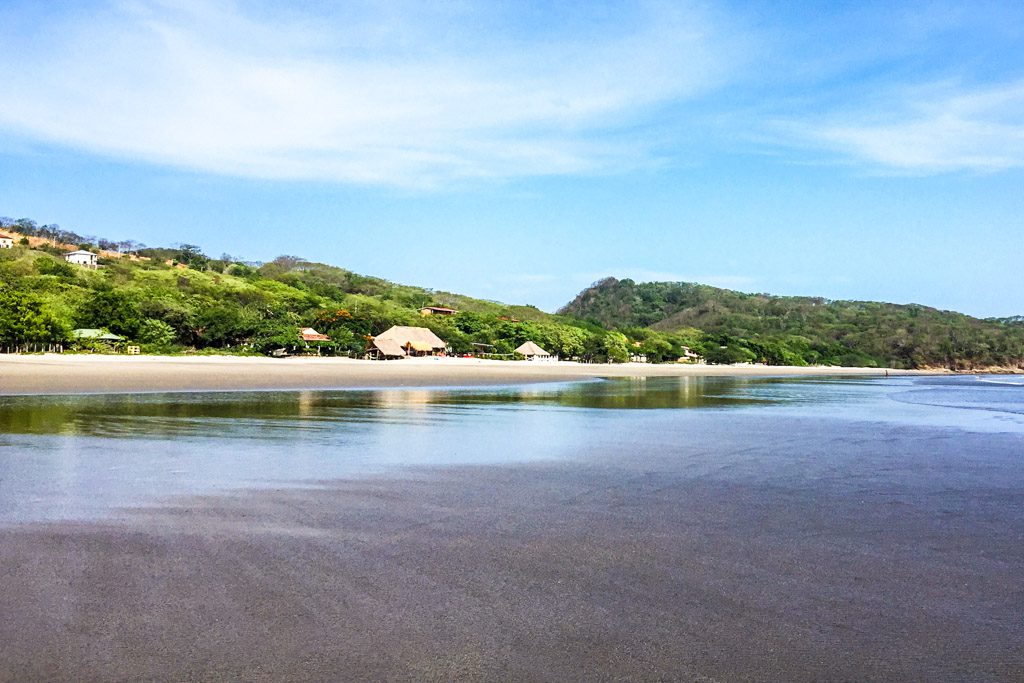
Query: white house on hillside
point(6, 242)
point(83, 258)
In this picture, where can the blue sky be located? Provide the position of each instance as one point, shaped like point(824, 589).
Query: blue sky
point(519, 151)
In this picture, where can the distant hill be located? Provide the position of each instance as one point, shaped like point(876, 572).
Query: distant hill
point(815, 329)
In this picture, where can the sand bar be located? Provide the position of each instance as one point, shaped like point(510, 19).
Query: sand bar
point(76, 374)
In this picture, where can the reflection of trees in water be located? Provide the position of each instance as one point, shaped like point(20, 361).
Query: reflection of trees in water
point(628, 393)
point(171, 415)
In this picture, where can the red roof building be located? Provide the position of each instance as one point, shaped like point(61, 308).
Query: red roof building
point(309, 334)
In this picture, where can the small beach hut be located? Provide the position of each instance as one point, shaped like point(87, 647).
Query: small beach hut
point(308, 334)
point(415, 341)
point(532, 351)
point(89, 333)
point(689, 356)
point(384, 349)
point(98, 338)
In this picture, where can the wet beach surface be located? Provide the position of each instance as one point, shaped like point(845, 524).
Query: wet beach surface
point(855, 530)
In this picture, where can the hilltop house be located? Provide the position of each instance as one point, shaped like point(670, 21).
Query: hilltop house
point(6, 242)
point(437, 310)
point(414, 341)
point(83, 258)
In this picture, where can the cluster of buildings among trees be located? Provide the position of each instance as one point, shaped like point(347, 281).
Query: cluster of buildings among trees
point(177, 299)
point(168, 300)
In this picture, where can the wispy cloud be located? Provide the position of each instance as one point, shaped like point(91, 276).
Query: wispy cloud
point(394, 93)
point(935, 130)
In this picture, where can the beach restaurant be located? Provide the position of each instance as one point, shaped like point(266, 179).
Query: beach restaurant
point(414, 341)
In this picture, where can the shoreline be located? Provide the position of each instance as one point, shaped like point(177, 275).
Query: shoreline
point(96, 374)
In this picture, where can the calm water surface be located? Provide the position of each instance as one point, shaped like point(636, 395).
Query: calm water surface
point(85, 457)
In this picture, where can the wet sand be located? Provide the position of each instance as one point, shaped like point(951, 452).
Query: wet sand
point(742, 548)
point(75, 374)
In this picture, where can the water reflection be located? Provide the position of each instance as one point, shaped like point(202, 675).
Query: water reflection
point(271, 415)
point(263, 413)
point(83, 456)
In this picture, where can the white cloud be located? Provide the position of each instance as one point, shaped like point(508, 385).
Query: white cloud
point(937, 130)
point(393, 93)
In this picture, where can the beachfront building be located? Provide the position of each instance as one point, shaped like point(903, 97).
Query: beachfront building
point(6, 242)
point(689, 356)
point(437, 310)
point(311, 337)
point(97, 340)
point(92, 333)
point(308, 334)
point(533, 352)
point(415, 341)
point(83, 258)
point(384, 349)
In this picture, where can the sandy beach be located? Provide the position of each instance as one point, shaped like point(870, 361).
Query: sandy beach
point(834, 561)
point(76, 374)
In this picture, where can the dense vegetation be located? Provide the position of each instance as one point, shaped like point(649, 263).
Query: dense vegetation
point(179, 299)
point(738, 327)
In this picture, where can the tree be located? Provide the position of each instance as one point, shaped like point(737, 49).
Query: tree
point(113, 310)
point(47, 265)
point(192, 256)
point(156, 332)
point(227, 325)
point(23, 320)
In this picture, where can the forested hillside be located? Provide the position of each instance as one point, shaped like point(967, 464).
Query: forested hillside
point(759, 327)
point(179, 299)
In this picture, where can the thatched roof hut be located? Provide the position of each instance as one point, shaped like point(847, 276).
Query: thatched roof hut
point(530, 350)
point(384, 349)
point(414, 340)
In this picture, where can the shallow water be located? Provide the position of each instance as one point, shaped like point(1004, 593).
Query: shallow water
point(85, 457)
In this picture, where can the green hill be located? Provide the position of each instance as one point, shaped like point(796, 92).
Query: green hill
point(178, 299)
point(734, 326)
